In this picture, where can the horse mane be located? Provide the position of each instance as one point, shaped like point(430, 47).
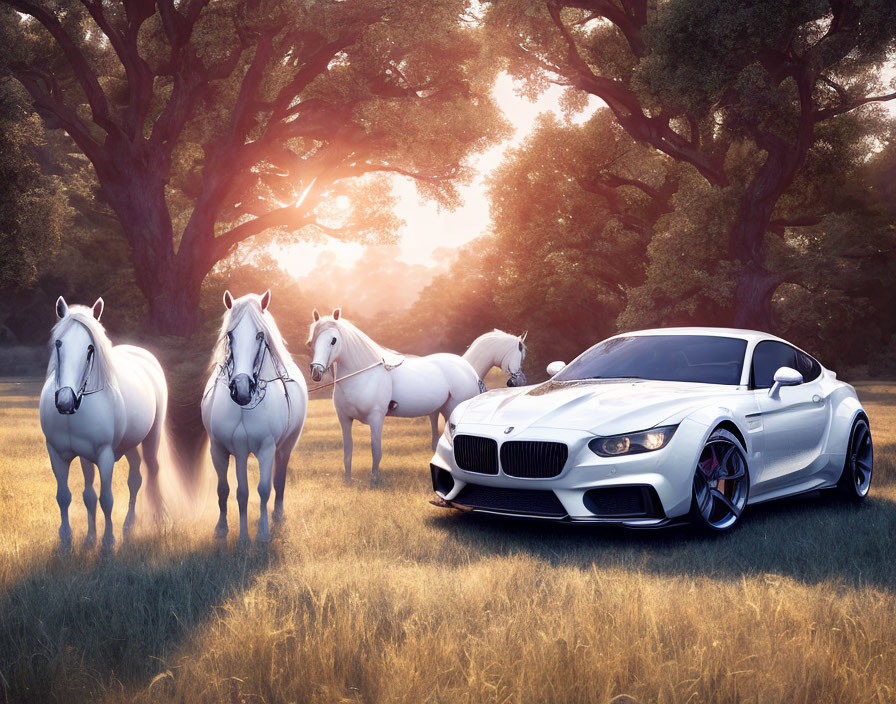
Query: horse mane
point(102, 345)
point(356, 343)
point(490, 349)
point(250, 305)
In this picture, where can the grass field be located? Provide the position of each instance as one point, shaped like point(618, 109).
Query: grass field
point(373, 595)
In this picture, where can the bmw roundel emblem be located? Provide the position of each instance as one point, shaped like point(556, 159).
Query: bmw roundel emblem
point(508, 430)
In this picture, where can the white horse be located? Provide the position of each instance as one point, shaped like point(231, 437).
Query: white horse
point(499, 349)
point(98, 403)
point(254, 402)
point(371, 382)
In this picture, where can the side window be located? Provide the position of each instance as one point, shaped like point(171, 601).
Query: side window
point(808, 367)
point(768, 357)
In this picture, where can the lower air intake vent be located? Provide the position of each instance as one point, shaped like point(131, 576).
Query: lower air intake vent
point(531, 502)
point(624, 502)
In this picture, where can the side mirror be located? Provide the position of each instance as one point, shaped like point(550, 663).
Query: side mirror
point(555, 368)
point(785, 376)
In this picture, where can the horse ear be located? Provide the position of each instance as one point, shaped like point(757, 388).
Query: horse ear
point(266, 300)
point(336, 313)
point(228, 300)
point(98, 308)
point(315, 315)
point(523, 336)
point(61, 308)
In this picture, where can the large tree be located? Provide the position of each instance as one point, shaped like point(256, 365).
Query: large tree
point(740, 92)
point(210, 123)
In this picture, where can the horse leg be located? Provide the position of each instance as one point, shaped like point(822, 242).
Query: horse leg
point(346, 424)
point(221, 461)
point(242, 495)
point(106, 464)
point(135, 481)
point(434, 420)
point(376, 446)
point(265, 467)
point(89, 469)
point(63, 495)
point(281, 461)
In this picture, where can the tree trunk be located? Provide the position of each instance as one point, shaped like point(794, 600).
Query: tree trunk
point(752, 305)
point(171, 281)
point(753, 298)
point(174, 304)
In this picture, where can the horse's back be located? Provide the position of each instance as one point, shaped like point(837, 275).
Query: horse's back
point(423, 385)
point(459, 373)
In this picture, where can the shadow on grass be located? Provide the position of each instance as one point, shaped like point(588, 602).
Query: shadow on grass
point(813, 538)
point(78, 626)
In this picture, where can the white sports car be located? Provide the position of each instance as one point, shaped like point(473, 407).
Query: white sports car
point(651, 428)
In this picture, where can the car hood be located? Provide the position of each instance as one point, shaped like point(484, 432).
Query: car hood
point(599, 406)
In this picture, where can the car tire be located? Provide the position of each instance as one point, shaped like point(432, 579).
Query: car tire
point(721, 484)
point(855, 479)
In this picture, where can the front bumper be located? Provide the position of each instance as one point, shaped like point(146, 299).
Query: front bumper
point(647, 490)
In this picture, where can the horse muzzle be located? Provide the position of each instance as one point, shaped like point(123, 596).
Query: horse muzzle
point(67, 402)
point(242, 386)
point(317, 372)
point(518, 379)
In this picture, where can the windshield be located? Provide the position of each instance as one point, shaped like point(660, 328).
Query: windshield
point(695, 358)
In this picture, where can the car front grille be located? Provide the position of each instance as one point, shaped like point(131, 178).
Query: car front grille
point(533, 460)
point(476, 454)
point(530, 502)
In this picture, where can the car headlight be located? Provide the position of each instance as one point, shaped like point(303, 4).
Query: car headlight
point(449, 432)
point(633, 443)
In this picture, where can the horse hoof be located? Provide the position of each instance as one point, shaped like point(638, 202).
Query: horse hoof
point(376, 481)
point(89, 541)
point(243, 541)
point(221, 533)
point(263, 539)
point(347, 479)
point(108, 546)
point(278, 517)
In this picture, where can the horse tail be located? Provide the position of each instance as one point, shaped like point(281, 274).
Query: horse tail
point(177, 492)
point(154, 447)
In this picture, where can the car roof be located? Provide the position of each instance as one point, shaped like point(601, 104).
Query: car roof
point(748, 335)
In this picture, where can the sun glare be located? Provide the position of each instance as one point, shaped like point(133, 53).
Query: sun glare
point(426, 228)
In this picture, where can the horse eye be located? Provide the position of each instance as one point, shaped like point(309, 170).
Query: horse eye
point(333, 341)
point(89, 349)
point(260, 335)
point(58, 344)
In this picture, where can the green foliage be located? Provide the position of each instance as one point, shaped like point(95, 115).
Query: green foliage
point(33, 207)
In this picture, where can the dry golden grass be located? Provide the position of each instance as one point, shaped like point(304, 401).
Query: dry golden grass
point(376, 596)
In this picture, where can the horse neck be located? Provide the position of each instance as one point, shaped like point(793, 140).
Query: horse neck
point(482, 356)
point(355, 356)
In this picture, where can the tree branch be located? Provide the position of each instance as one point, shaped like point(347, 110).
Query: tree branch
point(827, 113)
point(628, 111)
point(137, 71)
point(292, 216)
point(84, 74)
